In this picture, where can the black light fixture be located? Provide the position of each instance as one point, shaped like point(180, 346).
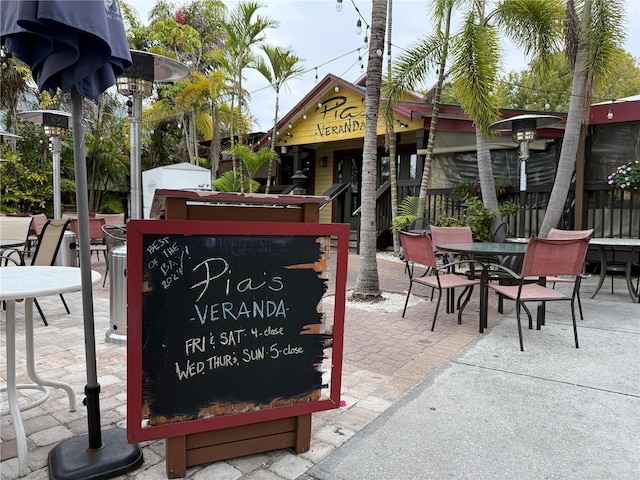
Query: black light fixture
point(299, 179)
point(523, 129)
point(323, 162)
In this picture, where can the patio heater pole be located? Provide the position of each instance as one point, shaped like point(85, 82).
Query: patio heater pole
point(137, 83)
point(56, 127)
point(523, 128)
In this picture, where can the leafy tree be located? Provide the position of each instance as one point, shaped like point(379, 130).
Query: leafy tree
point(522, 90)
point(281, 66)
point(252, 161)
point(593, 34)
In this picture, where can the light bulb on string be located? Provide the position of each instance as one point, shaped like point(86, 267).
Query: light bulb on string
point(316, 74)
point(610, 112)
point(358, 27)
point(366, 35)
point(336, 89)
point(339, 6)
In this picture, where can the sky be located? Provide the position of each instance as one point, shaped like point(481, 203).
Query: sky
point(326, 41)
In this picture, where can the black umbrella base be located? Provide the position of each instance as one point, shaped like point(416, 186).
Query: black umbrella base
point(70, 459)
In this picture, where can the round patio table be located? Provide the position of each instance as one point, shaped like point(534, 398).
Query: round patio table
point(28, 283)
point(484, 251)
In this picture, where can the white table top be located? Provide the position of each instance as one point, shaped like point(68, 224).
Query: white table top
point(26, 282)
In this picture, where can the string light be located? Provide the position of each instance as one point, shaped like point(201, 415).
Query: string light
point(339, 6)
point(358, 27)
point(366, 35)
point(610, 112)
point(336, 89)
point(547, 104)
point(316, 74)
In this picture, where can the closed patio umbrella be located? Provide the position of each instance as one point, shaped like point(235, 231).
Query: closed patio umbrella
point(77, 47)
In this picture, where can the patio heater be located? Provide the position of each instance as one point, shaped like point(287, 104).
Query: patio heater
point(523, 129)
point(56, 127)
point(137, 83)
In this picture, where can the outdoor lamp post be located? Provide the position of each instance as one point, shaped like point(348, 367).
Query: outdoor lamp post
point(56, 127)
point(137, 83)
point(523, 128)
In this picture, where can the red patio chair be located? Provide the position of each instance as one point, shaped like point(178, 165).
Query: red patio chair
point(545, 258)
point(556, 234)
point(418, 249)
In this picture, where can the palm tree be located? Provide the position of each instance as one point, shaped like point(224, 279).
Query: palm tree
point(476, 54)
point(411, 69)
point(282, 65)
point(231, 181)
point(591, 49)
point(245, 29)
point(367, 284)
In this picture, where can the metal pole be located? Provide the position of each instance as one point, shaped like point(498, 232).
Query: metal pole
point(92, 388)
point(136, 175)
point(524, 156)
point(56, 145)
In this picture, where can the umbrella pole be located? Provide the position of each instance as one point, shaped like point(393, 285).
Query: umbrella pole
point(72, 459)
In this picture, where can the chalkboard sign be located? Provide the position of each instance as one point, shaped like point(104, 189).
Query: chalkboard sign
point(225, 323)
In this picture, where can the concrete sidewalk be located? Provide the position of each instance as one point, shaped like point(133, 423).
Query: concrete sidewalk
point(386, 357)
point(552, 411)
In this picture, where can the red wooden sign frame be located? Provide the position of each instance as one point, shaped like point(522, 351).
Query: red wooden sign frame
point(136, 229)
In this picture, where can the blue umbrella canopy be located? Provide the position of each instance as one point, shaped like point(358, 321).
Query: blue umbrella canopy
point(67, 43)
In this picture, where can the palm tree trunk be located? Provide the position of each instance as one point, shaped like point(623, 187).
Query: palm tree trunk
point(367, 283)
point(428, 158)
point(273, 141)
point(393, 173)
point(578, 106)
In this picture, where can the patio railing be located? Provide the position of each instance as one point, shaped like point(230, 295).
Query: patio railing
point(610, 212)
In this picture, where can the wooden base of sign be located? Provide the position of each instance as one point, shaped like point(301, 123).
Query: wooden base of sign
point(206, 447)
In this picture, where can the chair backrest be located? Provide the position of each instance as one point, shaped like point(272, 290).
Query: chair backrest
point(114, 236)
point(38, 222)
point(417, 248)
point(50, 239)
point(111, 218)
point(557, 234)
point(15, 228)
point(440, 235)
point(547, 257)
point(95, 228)
point(500, 233)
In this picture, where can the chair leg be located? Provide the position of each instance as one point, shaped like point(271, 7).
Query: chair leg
point(65, 304)
point(579, 305)
point(575, 327)
point(469, 291)
point(406, 302)
point(44, 320)
point(435, 315)
point(519, 324)
point(104, 280)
